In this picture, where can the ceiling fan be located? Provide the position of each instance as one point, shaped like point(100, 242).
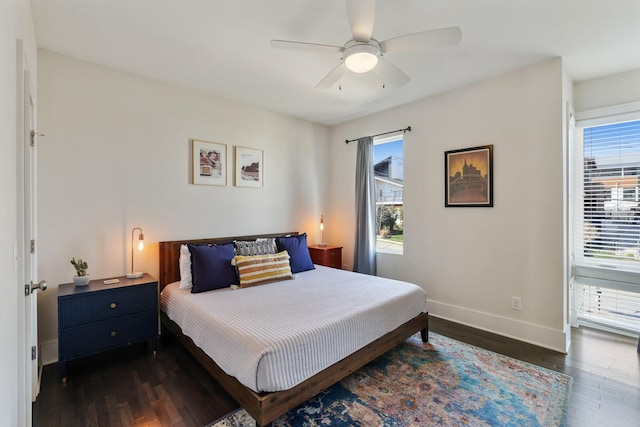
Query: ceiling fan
point(363, 53)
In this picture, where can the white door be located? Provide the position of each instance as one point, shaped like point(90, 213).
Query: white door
point(28, 379)
point(30, 233)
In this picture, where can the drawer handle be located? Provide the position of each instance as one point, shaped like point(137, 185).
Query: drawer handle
point(114, 333)
point(113, 305)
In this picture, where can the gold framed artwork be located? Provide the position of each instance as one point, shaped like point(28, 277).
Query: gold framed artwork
point(249, 167)
point(468, 177)
point(209, 163)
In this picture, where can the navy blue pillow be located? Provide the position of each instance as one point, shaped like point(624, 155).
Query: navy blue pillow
point(300, 259)
point(211, 267)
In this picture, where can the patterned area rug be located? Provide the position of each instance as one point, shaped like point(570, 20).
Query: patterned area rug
point(441, 383)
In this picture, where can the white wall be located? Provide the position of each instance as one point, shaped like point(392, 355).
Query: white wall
point(606, 91)
point(472, 260)
point(15, 23)
point(117, 155)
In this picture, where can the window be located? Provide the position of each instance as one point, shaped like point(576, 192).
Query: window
point(611, 212)
point(388, 159)
point(612, 308)
point(607, 224)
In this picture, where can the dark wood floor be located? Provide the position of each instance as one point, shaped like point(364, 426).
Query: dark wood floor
point(128, 387)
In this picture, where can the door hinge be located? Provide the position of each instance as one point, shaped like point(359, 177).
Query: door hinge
point(33, 246)
point(33, 352)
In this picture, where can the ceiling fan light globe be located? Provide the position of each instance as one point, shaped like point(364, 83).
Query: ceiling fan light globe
point(361, 57)
point(361, 62)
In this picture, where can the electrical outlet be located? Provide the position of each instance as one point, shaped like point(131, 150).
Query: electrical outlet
point(516, 303)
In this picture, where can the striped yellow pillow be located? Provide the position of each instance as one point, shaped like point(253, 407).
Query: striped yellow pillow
point(260, 269)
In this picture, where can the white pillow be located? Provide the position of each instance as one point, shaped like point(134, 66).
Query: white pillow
point(185, 268)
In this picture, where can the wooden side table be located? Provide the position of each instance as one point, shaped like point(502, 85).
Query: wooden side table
point(99, 317)
point(329, 255)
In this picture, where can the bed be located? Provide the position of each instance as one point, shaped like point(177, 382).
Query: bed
point(268, 388)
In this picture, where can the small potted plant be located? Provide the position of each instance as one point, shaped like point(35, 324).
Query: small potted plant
point(82, 278)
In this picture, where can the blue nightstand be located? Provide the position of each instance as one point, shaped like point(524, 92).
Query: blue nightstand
point(99, 317)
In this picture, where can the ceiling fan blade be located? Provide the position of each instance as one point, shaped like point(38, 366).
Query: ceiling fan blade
point(361, 14)
point(333, 76)
point(442, 37)
point(308, 47)
point(391, 74)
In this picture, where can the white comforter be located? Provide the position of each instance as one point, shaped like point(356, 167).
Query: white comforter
point(274, 336)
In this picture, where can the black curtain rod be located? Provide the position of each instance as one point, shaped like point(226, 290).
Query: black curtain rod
point(407, 129)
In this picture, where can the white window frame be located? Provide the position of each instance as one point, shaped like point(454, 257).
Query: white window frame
point(597, 272)
point(587, 119)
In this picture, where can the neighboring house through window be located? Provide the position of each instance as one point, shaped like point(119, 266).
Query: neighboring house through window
point(389, 185)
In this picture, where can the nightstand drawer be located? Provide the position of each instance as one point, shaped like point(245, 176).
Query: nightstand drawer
point(99, 336)
point(331, 258)
point(106, 304)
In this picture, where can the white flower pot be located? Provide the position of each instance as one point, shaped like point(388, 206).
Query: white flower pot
point(81, 280)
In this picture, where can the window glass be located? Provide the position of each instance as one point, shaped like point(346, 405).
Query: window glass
point(389, 185)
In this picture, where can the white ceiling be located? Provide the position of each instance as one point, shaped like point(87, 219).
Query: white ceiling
point(222, 47)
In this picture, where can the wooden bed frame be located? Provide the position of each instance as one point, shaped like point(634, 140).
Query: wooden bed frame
point(266, 407)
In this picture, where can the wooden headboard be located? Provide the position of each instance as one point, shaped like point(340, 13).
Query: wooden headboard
point(170, 253)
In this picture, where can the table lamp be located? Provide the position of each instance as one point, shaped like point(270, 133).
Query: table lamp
point(136, 274)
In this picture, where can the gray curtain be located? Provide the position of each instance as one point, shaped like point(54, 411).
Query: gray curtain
point(364, 259)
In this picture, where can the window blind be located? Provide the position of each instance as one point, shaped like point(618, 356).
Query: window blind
point(613, 308)
point(607, 292)
point(611, 208)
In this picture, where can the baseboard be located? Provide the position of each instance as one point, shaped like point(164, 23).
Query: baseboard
point(531, 333)
point(49, 352)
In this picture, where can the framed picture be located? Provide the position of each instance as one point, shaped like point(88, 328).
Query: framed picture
point(209, 163)
point(468, 177)
point(249, 167)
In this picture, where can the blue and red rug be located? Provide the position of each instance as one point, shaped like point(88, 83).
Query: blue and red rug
point(441, 383)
